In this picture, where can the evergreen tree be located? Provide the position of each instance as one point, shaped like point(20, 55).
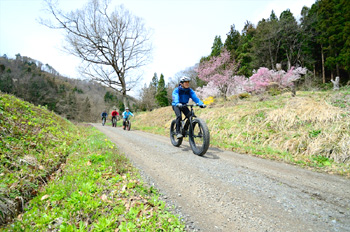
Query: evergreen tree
point(232, 41)
point(333, 26)
point(244, 50)
point(290, 35)
point(217, 46)
point(344, 55)
point(71, 109)
point(267, 43)
point(154, 82)
point(161, 96)
point(6, 82)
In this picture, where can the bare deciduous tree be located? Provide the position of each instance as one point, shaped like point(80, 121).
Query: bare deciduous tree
point(112, 45)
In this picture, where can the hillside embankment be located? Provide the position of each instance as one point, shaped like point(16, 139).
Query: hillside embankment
point(311, 130)
point(58, 176)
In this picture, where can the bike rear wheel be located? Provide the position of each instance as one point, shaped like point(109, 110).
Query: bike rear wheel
point(174, 140)
point(199, 138)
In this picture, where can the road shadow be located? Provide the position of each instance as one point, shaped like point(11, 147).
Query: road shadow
point(212, 153)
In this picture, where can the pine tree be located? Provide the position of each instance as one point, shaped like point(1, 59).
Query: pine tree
point(244, 50)
point(232, 41)
point(217, 46)
point(161, 96)
point(290, 35)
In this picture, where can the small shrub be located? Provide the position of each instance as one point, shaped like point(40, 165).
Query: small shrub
point(274, 91)
point(243, 95)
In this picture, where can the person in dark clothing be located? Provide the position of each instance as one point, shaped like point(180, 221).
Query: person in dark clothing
point(181, 95)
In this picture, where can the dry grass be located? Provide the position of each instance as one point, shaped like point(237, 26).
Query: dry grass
point(312, 128)
point(308, 129)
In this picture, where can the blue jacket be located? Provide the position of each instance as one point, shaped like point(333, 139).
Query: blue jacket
point(182, 95)
point(127, 114)
point(104, 114)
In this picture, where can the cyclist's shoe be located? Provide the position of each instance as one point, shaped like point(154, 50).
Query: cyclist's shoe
point(179, 136)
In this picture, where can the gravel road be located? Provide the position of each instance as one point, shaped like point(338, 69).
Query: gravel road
point(226, 191)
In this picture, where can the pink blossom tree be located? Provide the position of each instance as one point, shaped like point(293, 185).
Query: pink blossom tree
point(264, 77)
point(239, 84)
point(219, 70)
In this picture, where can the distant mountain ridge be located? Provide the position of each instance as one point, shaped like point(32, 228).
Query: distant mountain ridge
point(74, 99)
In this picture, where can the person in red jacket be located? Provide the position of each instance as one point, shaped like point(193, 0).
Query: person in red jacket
point(114, 117)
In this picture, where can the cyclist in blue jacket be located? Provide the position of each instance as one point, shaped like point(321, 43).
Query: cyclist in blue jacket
point(126, 115)
point(181, 96)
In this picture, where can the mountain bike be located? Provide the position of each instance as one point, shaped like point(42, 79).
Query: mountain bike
point(103, 121)
point(196, 130)
point(127, 125)
point(114, 121)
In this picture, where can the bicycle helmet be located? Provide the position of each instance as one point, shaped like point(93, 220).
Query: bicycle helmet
point(126, 108)
point(184, 78)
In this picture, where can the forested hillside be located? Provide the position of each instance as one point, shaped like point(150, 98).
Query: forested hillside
point(315, 47)
point(318, 41)
point(74, 99)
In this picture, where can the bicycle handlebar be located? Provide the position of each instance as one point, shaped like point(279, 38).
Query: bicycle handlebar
point(191, 105)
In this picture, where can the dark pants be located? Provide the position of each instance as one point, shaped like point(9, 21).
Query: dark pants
point(124, 121)
point(178, 111)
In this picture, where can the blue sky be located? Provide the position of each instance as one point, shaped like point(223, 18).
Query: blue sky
point(184, 30)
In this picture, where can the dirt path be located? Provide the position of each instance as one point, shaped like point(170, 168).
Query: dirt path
point(226, 191)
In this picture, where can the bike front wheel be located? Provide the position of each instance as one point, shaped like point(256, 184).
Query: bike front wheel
point(128, 125)
point(199, 137)
point(174, 140)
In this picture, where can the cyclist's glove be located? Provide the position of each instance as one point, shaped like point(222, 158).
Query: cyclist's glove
point(179, 105)
point(202, 106)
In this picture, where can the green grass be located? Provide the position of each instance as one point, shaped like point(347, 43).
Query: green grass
point(33, 143)
point(73, 178)
point(98, 191)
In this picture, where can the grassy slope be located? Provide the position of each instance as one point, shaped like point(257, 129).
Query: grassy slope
point(311, 130)
point(89, 185)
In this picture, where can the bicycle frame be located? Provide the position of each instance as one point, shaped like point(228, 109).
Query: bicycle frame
point(188, 120)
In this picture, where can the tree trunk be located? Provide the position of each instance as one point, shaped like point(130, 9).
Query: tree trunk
point(271, 58)
point(125, 100)
point(314, 71)
point(337, 67)
point(323, 70)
